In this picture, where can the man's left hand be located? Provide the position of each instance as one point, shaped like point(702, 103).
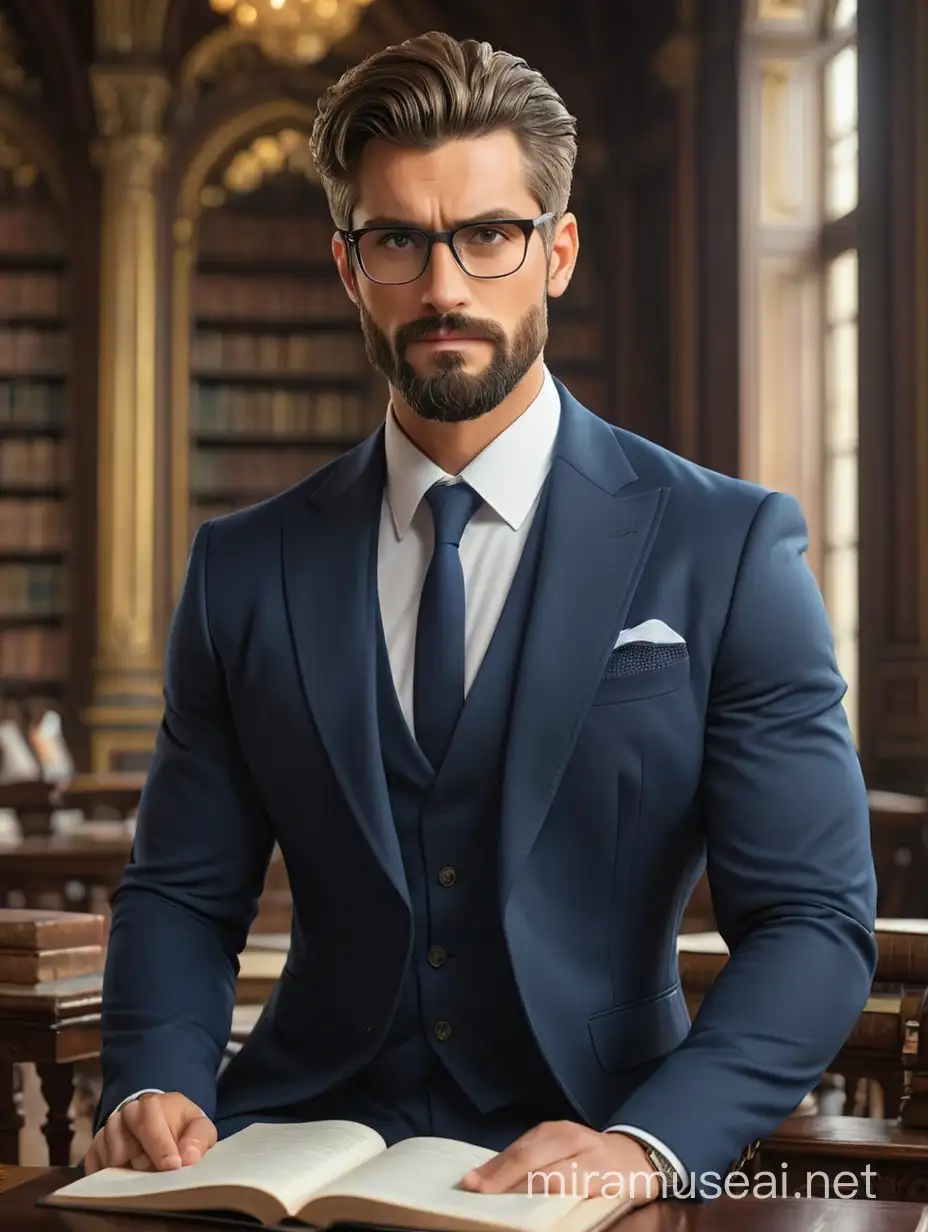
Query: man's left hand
point(562, 1157)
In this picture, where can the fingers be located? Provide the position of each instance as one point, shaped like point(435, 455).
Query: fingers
point(153, 1133)
point(511, 1170)
point(197, 1139)
point(146, 1121)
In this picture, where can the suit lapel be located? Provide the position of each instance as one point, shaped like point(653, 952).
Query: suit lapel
point(330, 581)
point(597, 539)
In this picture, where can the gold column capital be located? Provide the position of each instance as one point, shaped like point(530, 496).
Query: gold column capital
point(130, 100)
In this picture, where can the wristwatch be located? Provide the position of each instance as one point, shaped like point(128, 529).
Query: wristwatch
point(662, 1166)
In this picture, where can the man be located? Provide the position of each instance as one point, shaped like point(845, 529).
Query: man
point(500, 682)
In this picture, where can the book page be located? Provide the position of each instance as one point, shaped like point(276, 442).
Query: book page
point(423, 1174)
point(289, 1161)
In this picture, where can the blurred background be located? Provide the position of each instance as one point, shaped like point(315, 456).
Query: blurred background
point(752, 292)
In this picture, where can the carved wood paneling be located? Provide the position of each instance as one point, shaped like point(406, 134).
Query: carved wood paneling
point(894, 394)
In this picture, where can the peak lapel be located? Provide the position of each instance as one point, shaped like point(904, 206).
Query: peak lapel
point(330, 581)
point(596, 542)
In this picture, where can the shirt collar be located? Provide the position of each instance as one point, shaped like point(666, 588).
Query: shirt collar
point(508, 475)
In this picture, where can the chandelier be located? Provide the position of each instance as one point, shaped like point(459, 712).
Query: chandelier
point(295, 31)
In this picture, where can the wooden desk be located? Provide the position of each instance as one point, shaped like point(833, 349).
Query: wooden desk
point(18, 1212)
point(828, 1145)
point(52, 1025)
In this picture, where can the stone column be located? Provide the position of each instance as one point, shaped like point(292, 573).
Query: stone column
point(126, 705)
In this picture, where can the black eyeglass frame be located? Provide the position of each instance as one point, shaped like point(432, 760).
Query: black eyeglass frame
point(528, 227)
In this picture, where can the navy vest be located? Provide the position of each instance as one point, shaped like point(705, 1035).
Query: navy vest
point(459, 1008)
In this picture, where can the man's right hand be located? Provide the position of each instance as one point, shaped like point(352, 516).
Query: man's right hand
point(152, 1133)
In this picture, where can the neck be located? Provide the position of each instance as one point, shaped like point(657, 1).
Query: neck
point(453, 445)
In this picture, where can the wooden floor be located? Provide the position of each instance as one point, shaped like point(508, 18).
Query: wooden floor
point(32, 1148)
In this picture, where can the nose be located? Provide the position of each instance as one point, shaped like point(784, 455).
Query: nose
point(445, 285)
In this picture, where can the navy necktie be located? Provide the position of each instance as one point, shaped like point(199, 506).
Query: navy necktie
point(438, 673)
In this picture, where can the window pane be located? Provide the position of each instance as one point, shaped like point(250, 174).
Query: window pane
point(841, 488)
point(841, 424)
point(840, 590)
point(842, 292)
point(841, 177)
point(841, 93)
point(844, 14)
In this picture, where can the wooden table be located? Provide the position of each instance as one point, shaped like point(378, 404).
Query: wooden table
point(824, 1146)
point(53, 1025)
point(18, 1213)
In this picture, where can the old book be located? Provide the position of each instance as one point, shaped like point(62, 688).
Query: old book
point(35, 967)
point(323, 1173)
point(35, 930)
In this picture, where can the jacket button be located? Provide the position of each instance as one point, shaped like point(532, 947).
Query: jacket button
point(447, 876)
point(443, 1029)
point(437, 955)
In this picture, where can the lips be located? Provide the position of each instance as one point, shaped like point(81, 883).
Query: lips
point(448, 336)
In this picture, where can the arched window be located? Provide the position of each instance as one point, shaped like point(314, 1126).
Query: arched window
point(800, 284)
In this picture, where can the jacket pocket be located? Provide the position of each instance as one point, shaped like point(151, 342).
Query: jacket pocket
point(638, 1031)
point(639, 685)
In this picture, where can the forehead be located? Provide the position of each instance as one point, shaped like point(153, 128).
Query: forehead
point(460, 179)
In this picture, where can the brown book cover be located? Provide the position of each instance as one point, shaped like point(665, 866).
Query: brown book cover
point(34, 931)
point(26, 967)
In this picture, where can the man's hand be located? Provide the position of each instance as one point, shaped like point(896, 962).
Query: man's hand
point(155, 1133)
point(562, 1157)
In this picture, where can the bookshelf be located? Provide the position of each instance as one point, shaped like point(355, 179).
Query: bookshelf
point(279, 380)
point(35, 479)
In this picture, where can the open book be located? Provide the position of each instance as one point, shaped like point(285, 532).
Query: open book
point(329, 1172)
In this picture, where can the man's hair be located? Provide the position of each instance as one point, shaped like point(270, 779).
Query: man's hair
point(433, 89)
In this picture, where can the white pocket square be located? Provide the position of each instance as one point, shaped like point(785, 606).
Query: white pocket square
point(654, 631)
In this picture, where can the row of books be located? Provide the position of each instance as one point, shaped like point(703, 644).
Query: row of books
point(34, 462)
point(273, 299)
point(34, 525)
point(29, 229)
point(33, 654)
point(32, 404)
point(316, 354)
point(32, 590)
point(234, 410)
point(30, 350)
point(28, 294)
point(300, 238)
point(259, 472)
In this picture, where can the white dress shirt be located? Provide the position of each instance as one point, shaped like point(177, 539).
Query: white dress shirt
point(509, 476)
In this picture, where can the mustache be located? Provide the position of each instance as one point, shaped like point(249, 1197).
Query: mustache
point(448, 321)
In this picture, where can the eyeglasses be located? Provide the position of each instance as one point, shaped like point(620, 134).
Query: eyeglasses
point(491, 248)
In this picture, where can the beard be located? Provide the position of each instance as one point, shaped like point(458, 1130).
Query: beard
point(450, 394)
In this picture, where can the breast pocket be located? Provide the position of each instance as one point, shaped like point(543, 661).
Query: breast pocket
point(638, 1031)
point(637, 685)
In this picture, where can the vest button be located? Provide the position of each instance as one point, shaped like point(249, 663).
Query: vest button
point(443, 1029)
point(447, 876)
point(437, 955)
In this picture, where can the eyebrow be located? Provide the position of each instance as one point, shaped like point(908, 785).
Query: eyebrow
point(502, 212)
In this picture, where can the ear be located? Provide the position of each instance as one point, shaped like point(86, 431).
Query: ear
point(345, 267)
point(564, 249)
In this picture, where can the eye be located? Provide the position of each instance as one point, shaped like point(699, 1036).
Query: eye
point(394, 239)
point(487, 235)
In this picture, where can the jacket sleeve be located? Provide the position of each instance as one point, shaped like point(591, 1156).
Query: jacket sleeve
point(789, 865)
point(190, 892)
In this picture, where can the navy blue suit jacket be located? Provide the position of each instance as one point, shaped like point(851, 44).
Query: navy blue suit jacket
point(618, 791)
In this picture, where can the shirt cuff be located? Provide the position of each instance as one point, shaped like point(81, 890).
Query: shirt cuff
point(632, 1132)
point(135, 1095)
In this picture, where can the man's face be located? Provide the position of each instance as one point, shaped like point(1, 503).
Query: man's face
point(452, 345)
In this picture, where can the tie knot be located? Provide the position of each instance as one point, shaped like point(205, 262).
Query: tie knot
point(453, 505)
